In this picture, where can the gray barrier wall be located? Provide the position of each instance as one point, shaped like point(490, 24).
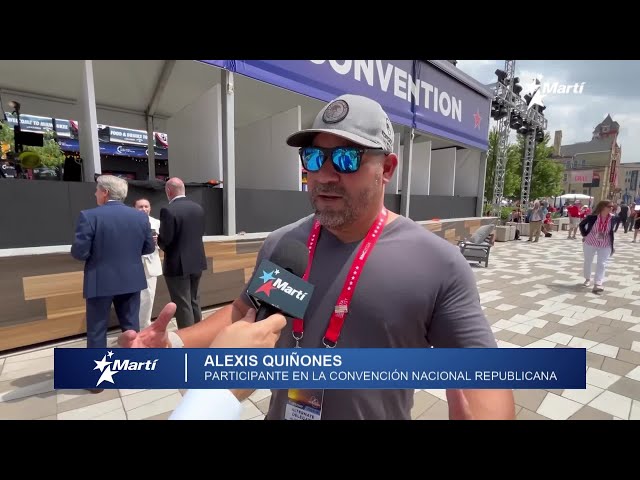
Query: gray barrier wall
point(267, 210)
point(43, 213)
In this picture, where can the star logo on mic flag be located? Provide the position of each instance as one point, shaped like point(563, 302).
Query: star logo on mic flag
point(266, 288)
point(267, 276)
point(279, 287)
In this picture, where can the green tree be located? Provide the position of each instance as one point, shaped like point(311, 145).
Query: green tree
point(546, 178)
point(50, 153)
point(512, 176)
point(6, 134)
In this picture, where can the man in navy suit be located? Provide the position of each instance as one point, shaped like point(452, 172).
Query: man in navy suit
point(111, 240)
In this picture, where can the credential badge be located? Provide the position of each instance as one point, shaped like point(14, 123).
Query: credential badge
point(336, 112)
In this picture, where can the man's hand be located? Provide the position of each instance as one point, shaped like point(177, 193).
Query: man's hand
point(246, 333)
point(458, 406)
point(481, 404)
point(154, 336)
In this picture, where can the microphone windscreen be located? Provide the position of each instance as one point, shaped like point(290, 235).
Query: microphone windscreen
point(292, 255)
point(278, 285)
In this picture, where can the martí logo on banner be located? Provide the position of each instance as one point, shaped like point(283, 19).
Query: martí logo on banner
point(109, 368)
point(317, 368)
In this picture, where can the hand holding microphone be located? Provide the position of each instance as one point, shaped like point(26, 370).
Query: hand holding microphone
point(224, 404)
point(277, 290)
point(246, 333)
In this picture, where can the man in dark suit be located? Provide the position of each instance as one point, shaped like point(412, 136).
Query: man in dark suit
point(111, 240)
point(181, 232)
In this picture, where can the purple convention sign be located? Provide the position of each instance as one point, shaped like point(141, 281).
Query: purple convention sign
point(412, 92)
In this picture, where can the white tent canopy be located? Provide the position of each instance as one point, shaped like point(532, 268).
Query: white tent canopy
point(578, 196)
point(574, 196)
point(571, 197)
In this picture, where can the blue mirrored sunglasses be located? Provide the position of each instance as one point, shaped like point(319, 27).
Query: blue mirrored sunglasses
point(344, 159)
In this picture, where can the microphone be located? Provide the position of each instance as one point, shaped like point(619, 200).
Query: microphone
point(277, 285)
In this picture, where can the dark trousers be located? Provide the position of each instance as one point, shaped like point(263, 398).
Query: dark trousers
point(183, 291)
point(623, 222)
point(127, 308)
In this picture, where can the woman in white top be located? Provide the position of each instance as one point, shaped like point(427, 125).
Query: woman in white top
point(152, 266)
point(597, 234)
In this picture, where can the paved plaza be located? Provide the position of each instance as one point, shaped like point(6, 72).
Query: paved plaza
point(533, 296)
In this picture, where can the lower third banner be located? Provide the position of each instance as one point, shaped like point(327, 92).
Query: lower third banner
point(353, 368)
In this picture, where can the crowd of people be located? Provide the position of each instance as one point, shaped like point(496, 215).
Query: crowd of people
point(598, 242)
point(120, 246)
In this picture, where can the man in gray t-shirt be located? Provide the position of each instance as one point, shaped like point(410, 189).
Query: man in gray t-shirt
point(414, 290)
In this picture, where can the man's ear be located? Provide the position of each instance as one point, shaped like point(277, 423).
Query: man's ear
point(389, 166)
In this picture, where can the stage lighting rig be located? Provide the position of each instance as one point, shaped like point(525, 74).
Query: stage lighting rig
point(513, 112)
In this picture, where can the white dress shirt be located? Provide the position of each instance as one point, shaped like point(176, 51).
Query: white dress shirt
point(152, 263)
point(207, 405)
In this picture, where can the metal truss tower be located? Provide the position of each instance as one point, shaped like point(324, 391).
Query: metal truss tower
point(535, 122)
point(503, 95)
point(532, 121)
point(527, 168)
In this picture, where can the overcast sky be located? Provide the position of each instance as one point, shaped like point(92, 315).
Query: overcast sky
point(609, 88)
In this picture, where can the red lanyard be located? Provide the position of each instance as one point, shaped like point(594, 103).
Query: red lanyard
point(602, 224)
point(344, 300)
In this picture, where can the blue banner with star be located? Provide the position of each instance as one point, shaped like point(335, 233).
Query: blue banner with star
point(414, 93)
point(325, 368)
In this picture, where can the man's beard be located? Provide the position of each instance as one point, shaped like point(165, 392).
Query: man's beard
point(353, 205)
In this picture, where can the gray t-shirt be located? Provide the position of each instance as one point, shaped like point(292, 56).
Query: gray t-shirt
point(415, 291)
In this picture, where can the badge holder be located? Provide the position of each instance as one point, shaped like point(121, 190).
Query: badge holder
point(304, 405)
point(307, 404)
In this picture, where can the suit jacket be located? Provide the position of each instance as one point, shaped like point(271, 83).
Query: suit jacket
point(111, 240)
point(181, 232)
point(152, 263)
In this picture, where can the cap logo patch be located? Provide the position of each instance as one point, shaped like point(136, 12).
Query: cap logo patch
point(335, 112)
point(386, 135)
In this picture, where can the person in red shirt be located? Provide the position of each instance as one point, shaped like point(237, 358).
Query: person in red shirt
point(574, 219)
point(586, 211)
point(547, 225)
